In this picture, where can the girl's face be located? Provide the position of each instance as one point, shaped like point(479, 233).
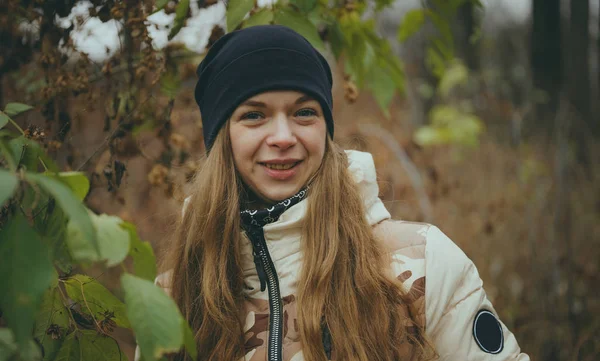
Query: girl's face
point(278, 142)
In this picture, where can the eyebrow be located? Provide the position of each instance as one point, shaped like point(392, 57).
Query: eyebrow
point(254, 103)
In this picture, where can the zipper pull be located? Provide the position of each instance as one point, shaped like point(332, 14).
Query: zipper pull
point(262, 276)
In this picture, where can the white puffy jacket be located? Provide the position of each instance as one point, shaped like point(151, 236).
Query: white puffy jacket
point(441, 281)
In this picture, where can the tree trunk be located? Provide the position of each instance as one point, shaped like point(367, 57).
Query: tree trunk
point(597, 115)
point(579, 85)
point(467, 23)
point(578, 79)
point(546, 58)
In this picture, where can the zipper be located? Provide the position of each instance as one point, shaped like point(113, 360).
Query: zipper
point(275, 303)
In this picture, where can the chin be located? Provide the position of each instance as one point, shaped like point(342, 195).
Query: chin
point(279, 195)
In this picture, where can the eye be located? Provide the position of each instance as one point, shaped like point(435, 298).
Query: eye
point(251, 116)
point(306, 112)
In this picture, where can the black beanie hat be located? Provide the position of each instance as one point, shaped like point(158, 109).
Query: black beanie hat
point(247, 62)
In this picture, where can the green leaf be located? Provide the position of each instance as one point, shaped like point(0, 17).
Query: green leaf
point(450, 125)
point(8, 184)
point(7, 344)
point(98, 347)
point(8, 155)
point(155, 317)
point(382, 87)
point(69, 350)
point(189, 340)
point(262, 17)
point(144, 262)
point(3, 119)
point(444, 49)
point(27, 152)
point(304, 5)
point(26, 272)
point(5, 133)
point(30, 154)
point(95, 299)
point(336, 40)
point(181, 12)
point(51, 223)
point(160, 4)
point(457, 74)
point(13, 109)
point(10, 351)
point(170, 83)
point(442, 23)
point(77, 181)
point(75, 210)
point(53, 315)
point(354, 59)
point(412, 22)
point(113, 241)
point(236, 12)
point(89, 345)
point(435, 62)
point(48, 162)
point(444, 115)
point(428, 136)
point(301, 25)
point(395, 70)
point(17, 147)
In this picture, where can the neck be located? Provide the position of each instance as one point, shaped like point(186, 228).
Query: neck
point(253, 201)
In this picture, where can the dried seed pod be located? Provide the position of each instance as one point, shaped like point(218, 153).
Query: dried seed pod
point(216, 33)
point(158, 175)
point(119, 171)
point(53, 331)
point(54, 145)
point(350, 91)
point(116, 12)
point(179, 141)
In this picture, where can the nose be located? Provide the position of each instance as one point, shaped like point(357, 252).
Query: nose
point(282, 135)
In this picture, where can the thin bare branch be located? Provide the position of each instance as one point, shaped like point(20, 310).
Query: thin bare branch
point(409, 167)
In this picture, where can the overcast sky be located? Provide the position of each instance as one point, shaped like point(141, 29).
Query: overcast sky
point(100, 40)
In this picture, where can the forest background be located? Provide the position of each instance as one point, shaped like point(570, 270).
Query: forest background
point(482, 117)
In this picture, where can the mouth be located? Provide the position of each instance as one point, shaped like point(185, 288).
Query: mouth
point(281, 171)
point(277, 166)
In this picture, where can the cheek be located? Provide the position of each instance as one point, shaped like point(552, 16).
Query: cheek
point(317, 143)
point(243, 147)
point(237, 149)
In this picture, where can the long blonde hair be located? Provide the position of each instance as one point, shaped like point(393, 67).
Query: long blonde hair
point(343, 281)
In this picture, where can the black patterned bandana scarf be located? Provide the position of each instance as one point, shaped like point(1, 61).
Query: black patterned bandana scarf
point(260, 218)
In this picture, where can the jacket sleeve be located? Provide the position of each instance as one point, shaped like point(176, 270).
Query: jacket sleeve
point(460, 320)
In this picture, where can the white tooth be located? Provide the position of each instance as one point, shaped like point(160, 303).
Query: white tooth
point(281, 166)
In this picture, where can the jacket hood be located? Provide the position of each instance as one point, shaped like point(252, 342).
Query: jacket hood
point(363, 171)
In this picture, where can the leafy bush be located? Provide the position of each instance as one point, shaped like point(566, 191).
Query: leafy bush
point(46, 233)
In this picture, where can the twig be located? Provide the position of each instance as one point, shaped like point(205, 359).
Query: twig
point(16, 126)
point(68, 308)
point(111, 135)
point(409, 167)
point(88, 307)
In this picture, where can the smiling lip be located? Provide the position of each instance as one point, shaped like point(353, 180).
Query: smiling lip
point(281, 174)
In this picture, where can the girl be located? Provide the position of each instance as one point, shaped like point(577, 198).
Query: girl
point(285, 251)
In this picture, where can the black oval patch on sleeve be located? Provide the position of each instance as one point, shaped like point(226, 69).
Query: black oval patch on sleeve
point(487, 332)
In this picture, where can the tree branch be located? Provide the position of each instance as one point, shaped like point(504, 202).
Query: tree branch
point(409, 167)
